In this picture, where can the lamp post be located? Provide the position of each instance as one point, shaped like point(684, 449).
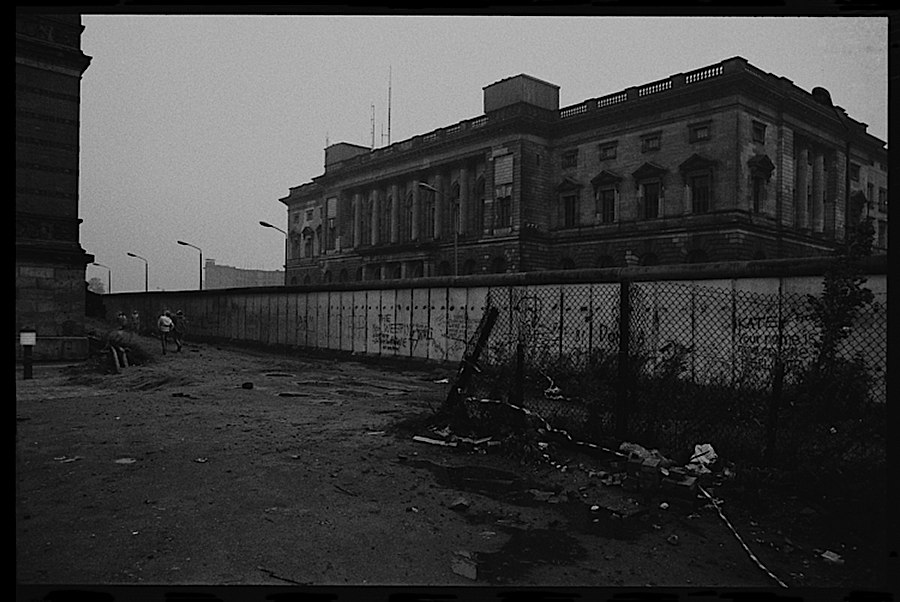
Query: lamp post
point(146, 270)
point(268, 225)
point(429, 187)
point(187, 244)
point(108, 276)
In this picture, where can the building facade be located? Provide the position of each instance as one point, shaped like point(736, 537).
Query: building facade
point(226, 276)
point(50, 262)
point(724, 163)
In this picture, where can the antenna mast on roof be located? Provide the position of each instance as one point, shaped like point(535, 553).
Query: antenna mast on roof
point(389, 106)
point(373, 127)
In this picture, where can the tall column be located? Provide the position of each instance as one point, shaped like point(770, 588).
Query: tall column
point(414, 227)
point(375, 195)
point(439, 206)
point(395, 214)
point(357, 216)
point(464, 199)
point(802, 185)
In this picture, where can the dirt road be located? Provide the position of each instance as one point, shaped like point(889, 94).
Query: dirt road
point(225, 466)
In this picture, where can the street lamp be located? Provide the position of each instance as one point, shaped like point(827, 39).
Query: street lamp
point(187, 244)
point(429, 187)
point(146, 270)
point(268, 225)
point(108, 277)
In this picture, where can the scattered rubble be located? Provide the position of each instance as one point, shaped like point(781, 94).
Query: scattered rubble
point(464, 564)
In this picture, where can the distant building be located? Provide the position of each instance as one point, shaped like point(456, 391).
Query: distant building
point(723, 163)
point(225, 276)
point(50, 262)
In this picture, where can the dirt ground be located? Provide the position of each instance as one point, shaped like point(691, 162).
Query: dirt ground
point(227, 466)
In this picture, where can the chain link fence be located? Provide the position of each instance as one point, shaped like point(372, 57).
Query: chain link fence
point(701, 364)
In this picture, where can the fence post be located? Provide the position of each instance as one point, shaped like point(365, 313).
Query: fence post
point(624, 368)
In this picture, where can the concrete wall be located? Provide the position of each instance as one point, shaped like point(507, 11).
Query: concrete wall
point(727, 320)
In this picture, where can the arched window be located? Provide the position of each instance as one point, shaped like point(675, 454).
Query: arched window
point(444, 269)
point(359, 274)
point(649, 259)
point(343, 276)
point(468, 267)
point(498, 265)
point(293, 280)
point(306, 279)
point(327, 276)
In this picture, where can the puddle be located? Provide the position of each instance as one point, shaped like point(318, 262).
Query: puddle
point(524, 550)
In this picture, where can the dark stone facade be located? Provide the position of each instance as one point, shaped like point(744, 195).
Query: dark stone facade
point(50, 263)
point(725, 163)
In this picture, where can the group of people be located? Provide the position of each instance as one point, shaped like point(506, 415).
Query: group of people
point(173, 326)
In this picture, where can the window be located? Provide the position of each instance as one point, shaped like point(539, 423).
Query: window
point(697, 256)
point(468, 267)
point(649, 259)
point(296, 217)
point(608, 150)
point(503, 199)
point(650, 142)
point(759, 132)
point(854, 172)
point(479, 205)
point(408, 213)
point(309, 215)
point(758, 193)
point(332, 233)
point(882, 234)
point(651, 197)
point(570, 210)
point(699, 132)
point(567, 263)
point(700, 193)
point(428, 215)
point(606, 205)
point(882, 200)
point(498, 265)
point(570, 159)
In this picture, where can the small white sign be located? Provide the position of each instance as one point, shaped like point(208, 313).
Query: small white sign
point(28, 338)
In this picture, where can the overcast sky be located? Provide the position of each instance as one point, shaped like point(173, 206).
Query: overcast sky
point(192, 127)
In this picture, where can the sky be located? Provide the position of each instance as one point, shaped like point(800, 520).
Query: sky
point(194, 126)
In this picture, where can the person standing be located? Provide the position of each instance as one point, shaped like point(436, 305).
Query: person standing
point(180, 329)
point(135, 321)
point(165, 325)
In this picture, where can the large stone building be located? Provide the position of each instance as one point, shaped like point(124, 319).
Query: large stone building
point(50, 263)
point(723, 163)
